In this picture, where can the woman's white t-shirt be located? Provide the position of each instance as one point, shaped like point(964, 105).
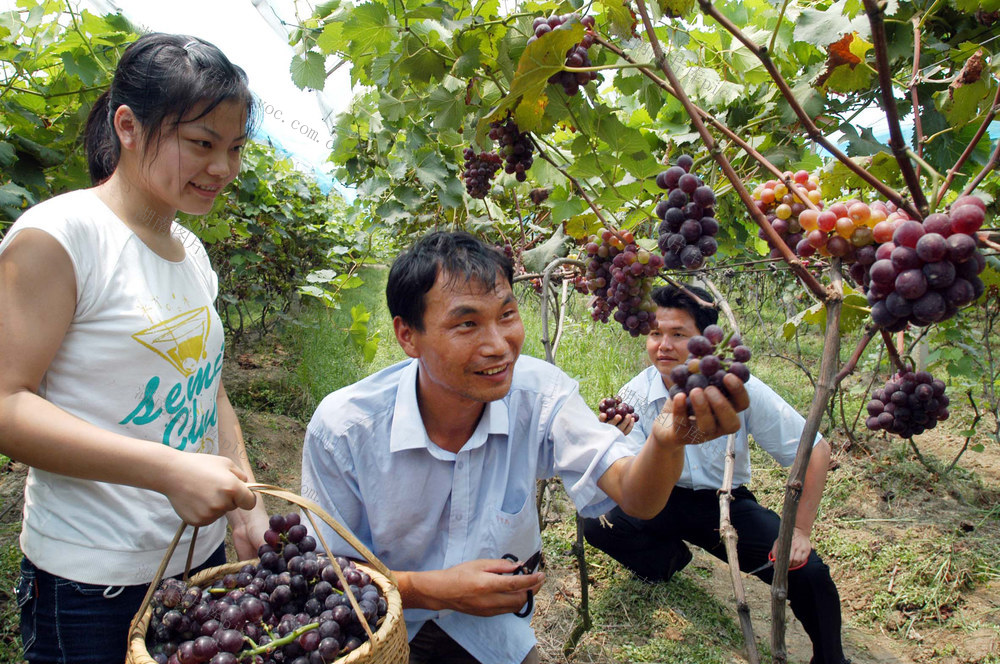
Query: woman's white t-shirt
point(142, 357)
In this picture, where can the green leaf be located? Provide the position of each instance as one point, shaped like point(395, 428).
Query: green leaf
point(960, 104)
point(582, 226)
point(83, 66)
point(621, 20)
point(447, 104)
point(540, 60)
point(13, 196)
point(821, 27)
point(7, 154)
point(370, 29)
point(331, 40)
point(309, 71)
point(370, 348)
point(978, 447)
point(676, 8)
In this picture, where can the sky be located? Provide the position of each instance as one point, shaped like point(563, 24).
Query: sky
point(292, 118)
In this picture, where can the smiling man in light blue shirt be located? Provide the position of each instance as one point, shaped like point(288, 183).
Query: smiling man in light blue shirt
point(432, 462)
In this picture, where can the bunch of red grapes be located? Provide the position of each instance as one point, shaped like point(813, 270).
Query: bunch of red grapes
point(619, 277)
point(515, 147)
point(909, 404)
point(613, 407)
point(479, 171)
point(687, 232)
point(288, 608)
point(710, 357)
point(576, 56)
point(926, 270)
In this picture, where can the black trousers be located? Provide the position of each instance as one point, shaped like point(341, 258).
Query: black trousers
point(654, 550)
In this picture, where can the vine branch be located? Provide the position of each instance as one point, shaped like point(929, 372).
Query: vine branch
point(793, 261)
point(807, 122)
point(896, 141)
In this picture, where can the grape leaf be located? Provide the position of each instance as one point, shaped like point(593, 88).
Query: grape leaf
point(7, 154)
point(846, 70)
point(819, 26)
point(331, 40)
point(621, 20)
point(676, 8)
point(309, 71)
point(371, 29)
point(541, 59)
point(447, 103)
point(960, 104)
point(581, 226)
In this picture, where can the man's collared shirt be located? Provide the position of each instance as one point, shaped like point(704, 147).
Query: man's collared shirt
point(774, 425)
point(367, 460)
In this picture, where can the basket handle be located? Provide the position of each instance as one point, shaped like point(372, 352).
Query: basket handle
point(310, 508)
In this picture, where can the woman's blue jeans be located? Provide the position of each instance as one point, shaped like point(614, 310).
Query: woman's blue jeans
point(67, 622)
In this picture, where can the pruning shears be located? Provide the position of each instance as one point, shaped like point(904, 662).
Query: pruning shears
point(534, 562)
point(770, 563)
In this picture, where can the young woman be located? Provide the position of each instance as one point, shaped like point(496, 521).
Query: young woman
point(111, 353)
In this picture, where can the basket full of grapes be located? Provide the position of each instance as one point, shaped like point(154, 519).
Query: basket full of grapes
point(294, 604)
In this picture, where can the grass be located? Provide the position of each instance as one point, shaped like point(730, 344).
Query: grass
point(10, 560)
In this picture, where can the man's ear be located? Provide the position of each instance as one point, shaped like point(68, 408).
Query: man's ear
point(405, 335)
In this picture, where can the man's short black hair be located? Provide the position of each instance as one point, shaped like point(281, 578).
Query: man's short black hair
point(671, 297)
point(459, 254)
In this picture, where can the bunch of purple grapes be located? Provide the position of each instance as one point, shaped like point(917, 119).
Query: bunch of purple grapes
point(619, 276)
point(515, 147)
point(909, 404)
point(614, 406)
point(576, 56)
point(929, 269)
point(479, 171)
point(288, 608)
point(709, 361)
point(687, 232)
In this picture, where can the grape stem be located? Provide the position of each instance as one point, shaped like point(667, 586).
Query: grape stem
point(893, 353)
point(574, 182)
point(277, 643)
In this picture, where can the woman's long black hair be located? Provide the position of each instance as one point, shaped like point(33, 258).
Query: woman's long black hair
point(164, 79)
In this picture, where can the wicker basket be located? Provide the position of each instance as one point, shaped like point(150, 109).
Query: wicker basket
point(386, 645)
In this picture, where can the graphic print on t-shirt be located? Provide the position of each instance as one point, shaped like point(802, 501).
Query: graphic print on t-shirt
point(189, 403)
point(179, 340)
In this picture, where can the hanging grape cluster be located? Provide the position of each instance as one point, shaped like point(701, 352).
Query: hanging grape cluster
point(710, 357)
point(619, 276)
point(922, 272)
point(908, 404)
point(515, 147)
point(479, 171)
point(576, 56)
point(687, 232)
point(290, 607)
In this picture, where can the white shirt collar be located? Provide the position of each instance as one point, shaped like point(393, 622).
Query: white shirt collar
point(408, 431)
